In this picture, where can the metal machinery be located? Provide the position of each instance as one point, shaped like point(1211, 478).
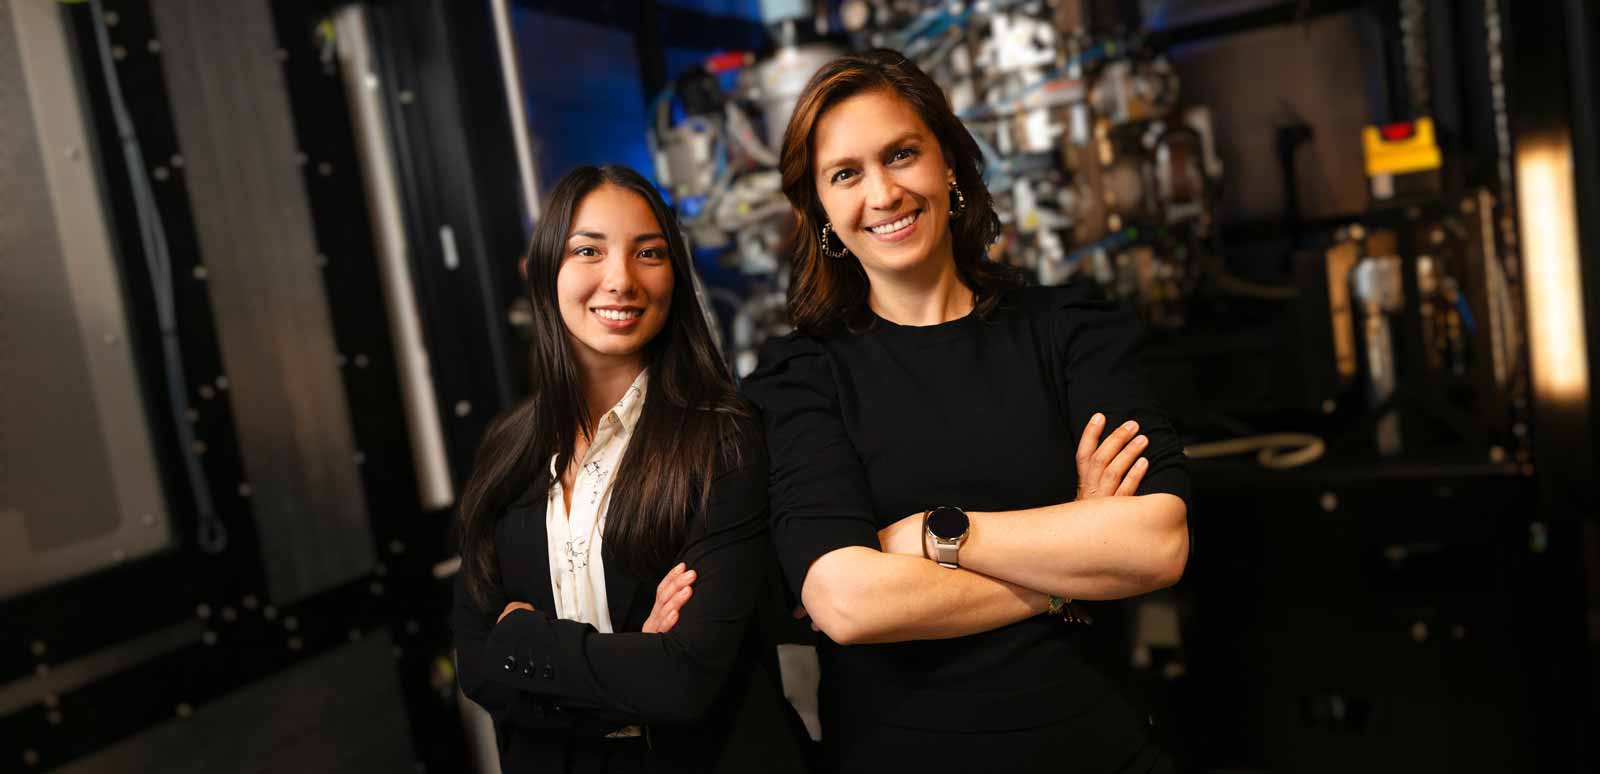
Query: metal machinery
point(1103, 173)
point(1099, 172)
point(1096, 170)
point(720, 164)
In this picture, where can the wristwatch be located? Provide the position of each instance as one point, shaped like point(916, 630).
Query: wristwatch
point(944, 529)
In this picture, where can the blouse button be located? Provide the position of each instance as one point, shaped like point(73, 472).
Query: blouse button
point(549, 672)
point(511, 663)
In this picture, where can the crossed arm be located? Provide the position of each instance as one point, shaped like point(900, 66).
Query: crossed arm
point(1107, 544)
point(530, 669)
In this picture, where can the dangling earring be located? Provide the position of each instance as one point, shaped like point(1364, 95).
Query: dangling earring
point(827, 228)
point(959, 205)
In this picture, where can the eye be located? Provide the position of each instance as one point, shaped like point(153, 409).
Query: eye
point(841, 176)
point(653, 254)
point(902, 155)
point(586, 251)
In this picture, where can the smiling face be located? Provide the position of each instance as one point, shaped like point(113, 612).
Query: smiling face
point(615, 283)
point(884, 184)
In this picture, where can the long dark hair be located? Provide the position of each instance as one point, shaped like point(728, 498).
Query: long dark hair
point(830, 294)
point(684, 429)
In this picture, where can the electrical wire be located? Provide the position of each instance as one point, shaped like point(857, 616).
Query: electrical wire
point(1233, 285)
point(658, 113)
point(212, 534)
point(703, 301)
point(1277, 451)
point(743, 133)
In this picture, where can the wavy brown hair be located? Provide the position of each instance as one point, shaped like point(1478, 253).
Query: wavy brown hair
point(686, 426)
point(827, 295)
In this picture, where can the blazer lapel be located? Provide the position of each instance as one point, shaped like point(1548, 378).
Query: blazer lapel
point(529, 559)
point(529, 562)
point(620, 590)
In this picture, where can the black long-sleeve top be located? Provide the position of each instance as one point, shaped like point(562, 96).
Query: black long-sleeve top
point(866, 428)
point(706, 688)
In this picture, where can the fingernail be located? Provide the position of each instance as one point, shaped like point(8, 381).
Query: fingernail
point(1097, 419)
point(1142, 462)
point(1131, 425)
point(1141, 440)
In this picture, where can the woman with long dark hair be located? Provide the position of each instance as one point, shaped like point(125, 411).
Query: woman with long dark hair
point(934, 502)
point(632, 461)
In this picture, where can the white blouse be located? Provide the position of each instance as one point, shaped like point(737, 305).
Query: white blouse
point(577, 571)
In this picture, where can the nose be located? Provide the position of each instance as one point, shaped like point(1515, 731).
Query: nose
point(619, 279)
point(883, 193)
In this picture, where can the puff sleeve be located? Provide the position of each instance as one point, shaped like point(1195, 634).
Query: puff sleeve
point(1097, 350)
point(818, 489)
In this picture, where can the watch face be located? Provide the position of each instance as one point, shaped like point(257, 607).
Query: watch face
point(947, 523)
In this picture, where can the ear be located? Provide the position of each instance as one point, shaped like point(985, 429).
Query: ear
point(522, 268)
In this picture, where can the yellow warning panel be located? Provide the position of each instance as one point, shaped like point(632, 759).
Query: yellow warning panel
point(1396, 149)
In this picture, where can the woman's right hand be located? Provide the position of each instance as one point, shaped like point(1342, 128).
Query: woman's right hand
point(1112, 467)
point(514, 606)
point(671, 593)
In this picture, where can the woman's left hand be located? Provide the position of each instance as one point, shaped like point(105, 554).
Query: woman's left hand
point(1111, 467)
point(673, 590)
point(903, 536)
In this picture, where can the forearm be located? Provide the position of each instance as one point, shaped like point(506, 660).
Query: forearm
point(476, 668)
point(1104, 548)
point(857, 595)
point(576, 666)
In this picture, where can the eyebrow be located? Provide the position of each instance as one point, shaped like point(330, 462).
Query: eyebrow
point(602, 237)
point(899, 140)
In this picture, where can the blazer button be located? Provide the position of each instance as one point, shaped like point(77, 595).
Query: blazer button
point(511, 663)
point(549, 672)
point(527, 670)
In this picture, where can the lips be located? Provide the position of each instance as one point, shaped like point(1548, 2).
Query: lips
point(897, 229)
point(617, 317)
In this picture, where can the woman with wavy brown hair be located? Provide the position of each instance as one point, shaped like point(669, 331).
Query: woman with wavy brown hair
point(924, 379)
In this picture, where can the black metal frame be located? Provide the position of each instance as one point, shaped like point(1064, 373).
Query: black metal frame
point(1291, 12)
point(451, 137)
point(224, 594)
point(1536, 521)
point(1551, 88)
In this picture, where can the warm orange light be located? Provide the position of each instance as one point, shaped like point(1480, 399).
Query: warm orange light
point(1552, 285)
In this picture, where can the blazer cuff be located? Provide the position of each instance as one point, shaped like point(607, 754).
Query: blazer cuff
point(525, 651)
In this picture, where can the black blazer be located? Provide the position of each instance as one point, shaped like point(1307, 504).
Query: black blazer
point(708, 690)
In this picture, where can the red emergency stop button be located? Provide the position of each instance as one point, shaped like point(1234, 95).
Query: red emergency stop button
point(1395, 132)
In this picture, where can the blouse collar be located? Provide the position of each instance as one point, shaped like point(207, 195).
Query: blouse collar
point(627, 410)
point(625, 413)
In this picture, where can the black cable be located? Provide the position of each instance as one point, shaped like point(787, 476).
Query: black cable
point(212, 534)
